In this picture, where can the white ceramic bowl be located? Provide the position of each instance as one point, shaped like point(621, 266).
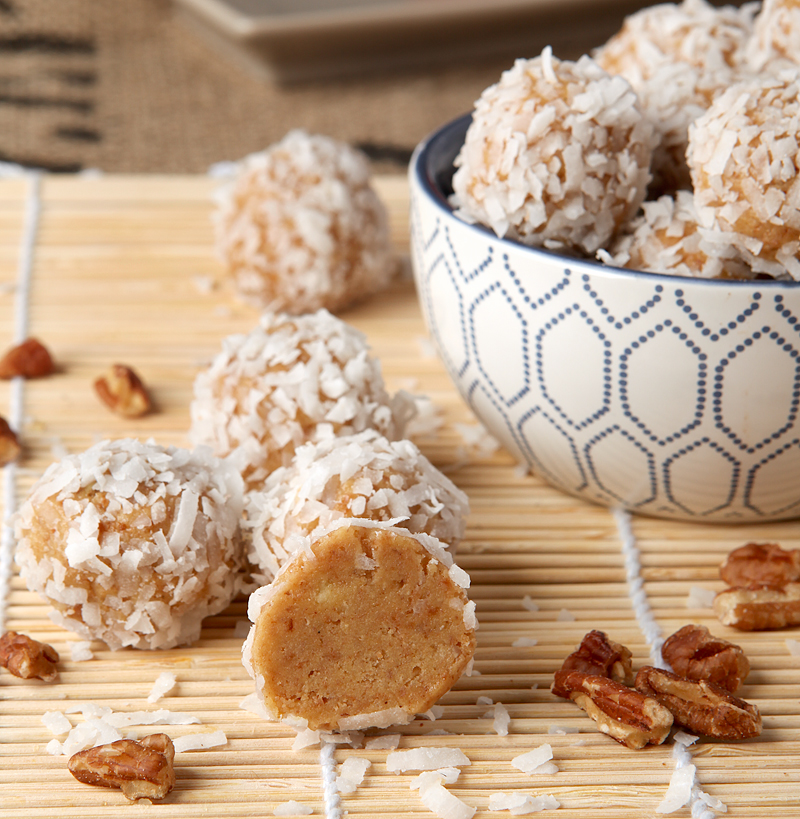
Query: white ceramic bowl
point(664, 395)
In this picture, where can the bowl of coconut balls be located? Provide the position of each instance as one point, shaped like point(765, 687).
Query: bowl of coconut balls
point(606, 256)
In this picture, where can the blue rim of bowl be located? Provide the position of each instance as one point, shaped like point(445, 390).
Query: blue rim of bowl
point(432, 164)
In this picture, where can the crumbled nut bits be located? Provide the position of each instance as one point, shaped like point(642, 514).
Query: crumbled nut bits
point(30, 359)
point(659, 698)
point(123, 392)
point(10, 447)
point(764, 591)
point(28, 658)
point(141, 769)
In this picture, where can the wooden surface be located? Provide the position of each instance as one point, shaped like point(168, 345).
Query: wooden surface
point(119, 274)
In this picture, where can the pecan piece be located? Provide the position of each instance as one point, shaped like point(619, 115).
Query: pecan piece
point(139, 768)
point(30, 359)
point(122, 391)
point(598, 655)
point(623, 713)
point(759, 607)
point(700, 706)
point(9, 443)
point(761, 563)
point(697, 655)
point(28, 658)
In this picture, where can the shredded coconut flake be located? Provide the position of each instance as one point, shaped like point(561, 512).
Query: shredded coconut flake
point(292, 808)
point(700, 598)
point(306, 738)
point(679, 791)
point(501, 720)
point(56, 722)
point(447, 776)
point(81, 651)
point(425, 759)
point(164, 683)
point(193, 742)
point(439, 800)
point(535, 761)
point(351, 774)
point(383, 743)
point(519, 804)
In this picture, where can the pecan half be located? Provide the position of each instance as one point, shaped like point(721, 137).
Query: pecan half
point(30, 359)
point(700, 706)
point(599, 655)
point(697, 655)
point(122, 391)
point(623, 713)
point(759, 607)
point(761, 563)
point(139, 768)
point(10, 448)
point(28, 658)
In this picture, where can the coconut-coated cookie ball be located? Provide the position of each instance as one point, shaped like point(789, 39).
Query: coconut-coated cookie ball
point(133, 543)
point(291, 380)
point(557, 155)
point(353, 476)
point(678, 57)
point(666, 238)
point(776, 35)
point(301, 226)
point(743, 154)
point(366, 628)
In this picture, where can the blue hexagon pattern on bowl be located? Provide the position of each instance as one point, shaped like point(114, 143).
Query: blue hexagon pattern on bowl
point(673, 397)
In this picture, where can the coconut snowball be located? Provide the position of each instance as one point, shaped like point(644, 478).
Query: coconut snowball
point(290, 381)
point(743, 155)
point(363, 475)
point(133, 543)
point(667, 239)
point(678, 57)
point(367, 627)
point(557, 155)
point(302, 228)
point(776, 35)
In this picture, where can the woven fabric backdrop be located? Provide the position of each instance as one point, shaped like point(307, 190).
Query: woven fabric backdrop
point(130, 86)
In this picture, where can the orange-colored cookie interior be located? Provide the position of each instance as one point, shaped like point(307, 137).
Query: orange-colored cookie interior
point(371, 622)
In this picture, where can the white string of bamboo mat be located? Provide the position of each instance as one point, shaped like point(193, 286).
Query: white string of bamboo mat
point(330, 793)
point(652, 633)
point(30, 229)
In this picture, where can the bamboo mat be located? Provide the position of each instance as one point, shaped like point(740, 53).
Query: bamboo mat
point(123, 270)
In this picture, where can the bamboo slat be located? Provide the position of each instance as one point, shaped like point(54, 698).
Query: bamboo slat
point(124, 270)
